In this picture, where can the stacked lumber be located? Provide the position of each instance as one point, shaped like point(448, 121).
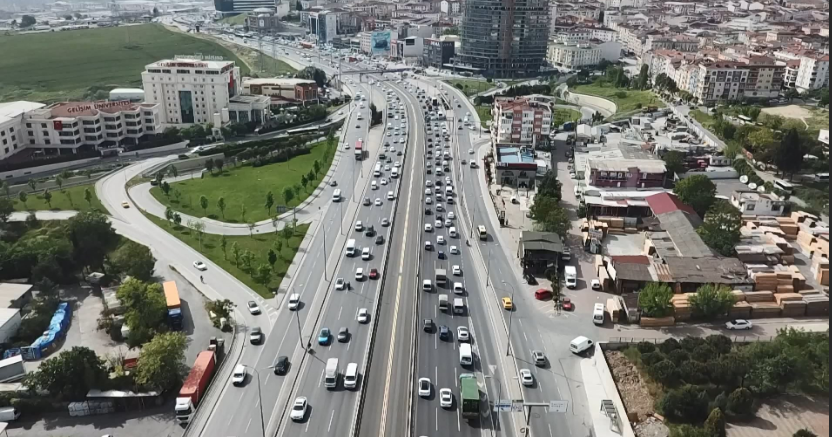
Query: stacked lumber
point(759, 296)
point(793, 308)
point(777, 278)
point(817, 305)
point(739, 295)
point(789, 227)
point(740, 310)
point(765, 309)
point(765, 281)
point(681, 306)
point(614, 309)
point(658, 322)
point(788, 297)
point(820, 269)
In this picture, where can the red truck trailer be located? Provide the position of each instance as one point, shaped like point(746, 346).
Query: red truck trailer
point(195, 385)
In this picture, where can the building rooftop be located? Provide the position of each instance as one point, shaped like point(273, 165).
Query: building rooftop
point(289, 81)
point(515, 155)
point(10, 110)
point(89, 109)
point(681, 228)
point(750, 195)
point(10, 292)
point(707, 270)
point(633, 268)
point(623, 165)
point(190, 63)
point(666, 202)
point(547, 241)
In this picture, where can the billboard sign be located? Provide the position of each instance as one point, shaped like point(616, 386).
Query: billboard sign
point(380, 43)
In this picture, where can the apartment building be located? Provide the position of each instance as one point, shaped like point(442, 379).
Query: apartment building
point(570, 33)
point(437, 53)
point(520, 121)
point(679, 43)
point(574, 55)
point(751, 202)
point(625, 173)
point(813, 73)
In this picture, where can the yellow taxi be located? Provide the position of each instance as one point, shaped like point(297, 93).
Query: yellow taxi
point(507, 305)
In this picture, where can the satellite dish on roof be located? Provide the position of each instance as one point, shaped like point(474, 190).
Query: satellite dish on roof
point(761, 189)
point(753, 186)
point(744, 179)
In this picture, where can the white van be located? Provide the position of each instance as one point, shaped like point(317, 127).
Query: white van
point(466, 356)
point(331, 373)
point(452, 232)
point(449, 190)
point(598, 314)
point(377, 170)
point(351, 376)
point(373, 185)
point(365, 253)
point(390, 195)
point(9, 414)
point(459, 306)
point(336, 195)
point(427, 285)
point(294, 301)
point(350, 247)
point(394, 173)
point(580, 344)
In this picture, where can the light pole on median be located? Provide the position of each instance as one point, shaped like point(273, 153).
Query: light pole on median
point(259, 398)
point(508, 340)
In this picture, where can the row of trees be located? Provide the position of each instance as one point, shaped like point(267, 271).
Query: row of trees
point(710, 301)
point(548, 214)
point(702, 375)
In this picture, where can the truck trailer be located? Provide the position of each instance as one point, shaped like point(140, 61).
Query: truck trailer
point(441, 277)
point(174, 305)
point(570, 274)
point(195, 385)
point(469, 393)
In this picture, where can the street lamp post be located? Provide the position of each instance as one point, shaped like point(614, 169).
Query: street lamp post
point(259, 399)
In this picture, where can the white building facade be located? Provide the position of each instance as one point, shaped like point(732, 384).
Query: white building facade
point(813, 72)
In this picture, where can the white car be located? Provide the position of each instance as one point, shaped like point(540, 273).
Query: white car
point(438, 224)
point(738, 324)
point(238, 377)
point(440, 240)
point(454, 250)
point(458, 288)
point(365, 254)
point(340, 284)
point(378, 201)
point(359, 274)
point(299, 409)
point(383, 181)
point(428, 227)
point(424, 387)
point(346, 146)
point(363, 315)
point(451, 216)
point(596, 284)
point(457, 271)
point(428, 183)
point(199, 265)
point(359, 226)
point(448, 223)
point(428, 200)
point(526, 377)
point(462, 333)
point(446, 398)
point(470, 151)
point(253, 308)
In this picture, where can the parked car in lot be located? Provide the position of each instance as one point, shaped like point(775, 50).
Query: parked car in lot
point(738, 324)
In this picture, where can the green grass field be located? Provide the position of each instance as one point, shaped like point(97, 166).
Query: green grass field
point(627, 102)
point(704, 119)
point(237, 20)
point(562, 115)
point(245, 186)
point(259, 245)
point(475, 86)
point(62, 200)
point(74, 65)
point(819, 119)
point(485, 115)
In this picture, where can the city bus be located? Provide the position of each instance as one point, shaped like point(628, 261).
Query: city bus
point(482, 232)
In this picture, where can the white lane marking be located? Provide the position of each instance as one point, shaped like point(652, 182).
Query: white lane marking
point(248, 425)
point(436, 413)
point(339, 312)
point(331, 416)
point(321, 379)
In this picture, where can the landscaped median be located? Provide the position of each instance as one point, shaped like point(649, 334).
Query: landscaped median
point(77, 198)
point(240, 194)
point(260, 261)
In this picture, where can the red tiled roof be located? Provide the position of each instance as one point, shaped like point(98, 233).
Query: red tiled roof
point(631, 259)
point(666, 202)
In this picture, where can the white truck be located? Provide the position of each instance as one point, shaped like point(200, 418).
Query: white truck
point(570, 274)
point(331, 373)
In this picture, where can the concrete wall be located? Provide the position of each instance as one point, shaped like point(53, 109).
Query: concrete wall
point(604, 106)
point(183, 146)
point(24, 172)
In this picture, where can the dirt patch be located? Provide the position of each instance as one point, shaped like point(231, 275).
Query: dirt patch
point(633, 389)
point(783, 416)
point(651, 427)
point(791, 111)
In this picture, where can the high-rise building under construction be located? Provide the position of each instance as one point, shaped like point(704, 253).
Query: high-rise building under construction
point(504, 38)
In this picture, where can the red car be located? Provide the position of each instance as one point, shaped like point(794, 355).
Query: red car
point(566, 304)
point(373, 273)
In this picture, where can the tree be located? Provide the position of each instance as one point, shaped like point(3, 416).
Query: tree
point(224, 246)
point(177, 219)
point(33, 184)
point(805, 432)
point(6, 210)
point(740, 402)
point(715, 423)
point(685, 430)
point(788, 157)
point(209, 165)
point(92, 237)
point(134, 259)
point(203, 203)
point(721, 228)
point(251, 227)
point(87, 196)
point(278, 246)
point(243, 212)
point(664, 372)
point(674, 161)
point(169, 214)
point(155, 11)
point(221, 309)
point(165, 187)
point(161, 365)
point(23, 197)
point(27, 21)
point(199, 227)
point(235, 252)
point(688, 404)
point(173, 171)
point(711, 301)
point(697, 191)
point(146, 309)
point(316, 168)
point(304, 181)
point(272, 258)
point(219, 164)
point(5, 187)
point(264, 274)
point(550, 216)
point(761, 138)
point(313, 73)
point(643, 80)
point(59, 181)
point(70, 375)
point(550, 186)
point(288, 195)
point(791, 94)
point(247, 259)
point(296, 190)
point(269, 202)
point(654, 299)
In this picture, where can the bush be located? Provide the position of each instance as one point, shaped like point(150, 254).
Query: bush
point(688, 431)
point(664, 372)
point(720, 401)
point(704, 353)
point(679, 356)
point(715, 423)
point(646, 347)
point(669, 345)
point(740, 402)
point(691, 343)
point(688, 404)
point(34, 405)
point(621, 95)
point(650, 358)
point(693, 372)
point(720, 343)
